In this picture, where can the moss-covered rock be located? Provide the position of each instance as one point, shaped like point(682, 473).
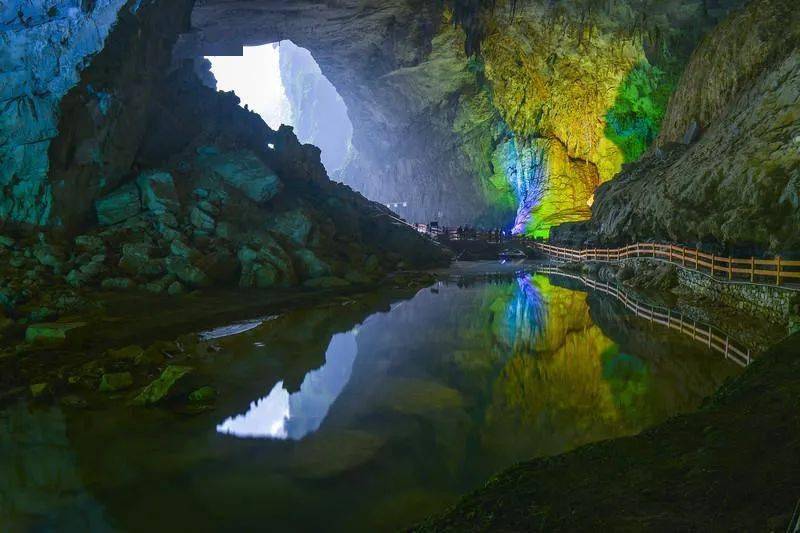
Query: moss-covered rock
point(171, 383)
point(115, 381)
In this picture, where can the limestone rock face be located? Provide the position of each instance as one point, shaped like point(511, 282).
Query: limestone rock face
point(740, 183)
point(319, 115)
point(432, 125)
point(44, 46)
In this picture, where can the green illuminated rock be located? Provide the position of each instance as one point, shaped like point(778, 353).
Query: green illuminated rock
point(52, 333)
point(40, 390)
point(203, 395)
point(171, 383)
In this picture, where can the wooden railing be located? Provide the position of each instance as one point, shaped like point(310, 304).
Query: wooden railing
point(775, 271)
point(706, 334)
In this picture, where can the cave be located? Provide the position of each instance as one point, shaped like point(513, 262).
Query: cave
point(378, 265)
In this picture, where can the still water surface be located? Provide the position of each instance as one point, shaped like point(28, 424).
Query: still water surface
point(359, 415)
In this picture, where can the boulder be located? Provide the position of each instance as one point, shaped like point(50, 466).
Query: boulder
point(120, 205)
point(158, 193)
point(136, 261)
point(181, 249)
point(175, 288)
point(162, 284)
point(40, 390)
point(258, 276)
point(203, 395)
point(295, 225)
point(201, 220)
point(52, 333)
point(308, 265)
point(244, 171)
point(90, 243)
point(224, 230)
point(115, 381)
point(49, 256)
point(187, 272)
point(171, 383)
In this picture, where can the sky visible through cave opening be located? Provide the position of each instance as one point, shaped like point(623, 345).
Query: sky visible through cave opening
point(284, 84)
point(255, 77)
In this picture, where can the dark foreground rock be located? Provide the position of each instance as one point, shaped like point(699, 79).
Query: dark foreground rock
point(731, 466)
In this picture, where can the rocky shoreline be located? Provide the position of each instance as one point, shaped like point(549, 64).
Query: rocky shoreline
point(147, 350)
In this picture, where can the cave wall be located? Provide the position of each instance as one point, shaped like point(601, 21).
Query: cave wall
point(738, 186)
point(438, 90)
point(557, 97)
point(319, 115)
point(44, 46)
point(402, 71)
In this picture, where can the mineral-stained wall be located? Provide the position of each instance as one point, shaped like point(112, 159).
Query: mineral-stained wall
point(739, 184)
point(483, 112)
point(436, 90)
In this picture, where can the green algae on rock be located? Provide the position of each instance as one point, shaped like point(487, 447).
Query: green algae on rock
point(170, 383)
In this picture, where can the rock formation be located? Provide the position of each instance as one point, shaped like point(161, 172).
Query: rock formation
point(319, 116)
point(739, 184)
point(150, 180)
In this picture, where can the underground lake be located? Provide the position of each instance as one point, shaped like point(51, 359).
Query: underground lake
point(364, 414)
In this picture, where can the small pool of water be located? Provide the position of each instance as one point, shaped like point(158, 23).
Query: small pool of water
point(359, 416)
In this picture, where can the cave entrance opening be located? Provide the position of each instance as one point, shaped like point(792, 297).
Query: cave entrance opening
point(283, 83)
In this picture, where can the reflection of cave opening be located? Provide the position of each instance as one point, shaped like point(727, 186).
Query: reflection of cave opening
point(284, 85)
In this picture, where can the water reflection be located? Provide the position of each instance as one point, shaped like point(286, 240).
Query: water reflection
point(281, 415)
point(372, 429)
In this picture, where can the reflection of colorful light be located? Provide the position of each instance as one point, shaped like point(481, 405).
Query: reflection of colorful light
point(526, 311)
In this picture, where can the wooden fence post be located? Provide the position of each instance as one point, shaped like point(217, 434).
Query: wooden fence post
point(778, 271)
point(713, 260)
point(752, 269)
point(730, 268)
